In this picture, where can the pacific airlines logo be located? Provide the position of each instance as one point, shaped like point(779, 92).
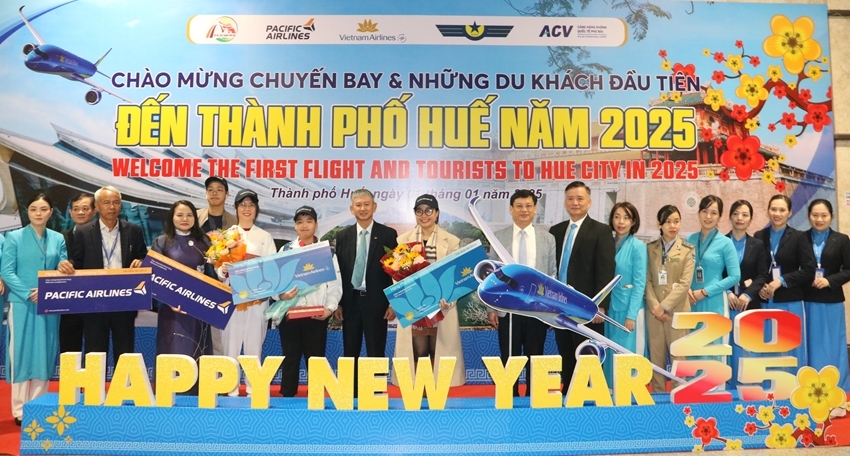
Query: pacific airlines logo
point(291, 32)
point(475, 32)
point(140, 288)
point(223, 30)
point(224, 307)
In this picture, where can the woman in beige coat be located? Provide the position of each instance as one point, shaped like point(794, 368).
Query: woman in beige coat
point(443, 340)
point(669, 274)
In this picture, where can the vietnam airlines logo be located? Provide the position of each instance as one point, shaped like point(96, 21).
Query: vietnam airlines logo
point(367, 26)
point(309, 267)
point(466, 271)
point(140, 288)
point(475, 32)
point(541, 290)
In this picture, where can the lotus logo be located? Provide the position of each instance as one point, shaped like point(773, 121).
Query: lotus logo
point(308, 267)
point(466, 271)
point(541, 290)
point(140, 288)
point(243, 294)
point(367, 26)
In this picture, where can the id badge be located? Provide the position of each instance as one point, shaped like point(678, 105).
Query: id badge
point(662, 277)
point(737, 290)
point(819, 273)
point(700, 274)
point(775, 272)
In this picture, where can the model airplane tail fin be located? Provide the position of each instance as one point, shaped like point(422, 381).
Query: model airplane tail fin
point(488, 233)
point(101, 59)
point(603, 293)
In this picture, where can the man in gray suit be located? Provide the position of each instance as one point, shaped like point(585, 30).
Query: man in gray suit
point(534, 248)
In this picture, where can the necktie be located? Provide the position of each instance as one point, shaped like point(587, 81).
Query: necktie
point(359, 261)
point(523, 248)
point(568, 249)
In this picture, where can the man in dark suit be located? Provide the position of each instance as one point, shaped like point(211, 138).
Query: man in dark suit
point(364, 309)
point(71, 325)
point(584, 250)
point(528, 335)
point(109, 244)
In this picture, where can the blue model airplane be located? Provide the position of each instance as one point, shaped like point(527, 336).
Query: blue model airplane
point(50, 59)
point(518, 289)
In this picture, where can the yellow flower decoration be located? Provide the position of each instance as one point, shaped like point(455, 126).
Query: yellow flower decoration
point(710, 174)
point(818, 391)
point(733, 444)
point(814, 72)
point(773, 164)
point(33, 430)
point(780, 436)
point(792, 42)
point(818, 432)
point(68, 439)
point(824, 60)
point(698, 448)
point(739, 408)
point(766, 412)
point(768, 177)
point(790, 141)
point(663, 97)
point(774, 72)
point(792, 85)
point(781, 158)
point(689, 421)
point(706, 52)
point(734, 63)
point(802, 421)
point(61, 420)
point(752, 125)
point(676, 97)
point(714, 98)
point(752, 88)
point(666, 65)
point(47, 444)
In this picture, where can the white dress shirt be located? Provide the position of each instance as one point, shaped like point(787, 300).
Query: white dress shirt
point(111, 248)
point(530, 245)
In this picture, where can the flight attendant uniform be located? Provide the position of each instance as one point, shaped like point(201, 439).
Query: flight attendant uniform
point(668, 279)
point(627, 301)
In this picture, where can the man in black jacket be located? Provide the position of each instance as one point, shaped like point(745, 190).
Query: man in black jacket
point(71, 325)
point(109, 244)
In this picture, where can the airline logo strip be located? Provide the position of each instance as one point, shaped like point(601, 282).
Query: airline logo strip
point(94, 290)
point(406, 30)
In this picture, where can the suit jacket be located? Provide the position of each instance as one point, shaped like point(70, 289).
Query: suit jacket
point(88, 245)
point(797, 260)
point(227, 219)
point(544, 259)
point(835, 260)
point(69, 241)
point(680, 272)
point(754, 267)
point(376, 278)
point(591, 264)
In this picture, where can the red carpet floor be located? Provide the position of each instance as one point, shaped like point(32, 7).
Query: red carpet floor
point(10, 434)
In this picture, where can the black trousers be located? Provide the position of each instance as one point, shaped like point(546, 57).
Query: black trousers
point(362, 320)
point(71, 333)
point(568, 343)
point(302, 337)
point(529, 337)
point(122, 327)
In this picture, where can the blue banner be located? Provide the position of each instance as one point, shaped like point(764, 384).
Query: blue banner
point(94, 290)
point(450, 278)
point(196, 294)
point(271, 275)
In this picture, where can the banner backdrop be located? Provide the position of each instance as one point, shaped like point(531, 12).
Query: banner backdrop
point(653, 102)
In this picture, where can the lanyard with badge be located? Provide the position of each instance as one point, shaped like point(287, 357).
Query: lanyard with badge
point(775, 269)
point(819, 272)
point(108, 255)
point(700, 273)
point(662, 273)
point(740, 247)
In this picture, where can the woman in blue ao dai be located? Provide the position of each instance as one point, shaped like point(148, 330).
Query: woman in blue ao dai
point(715, 255)
point(627, 298)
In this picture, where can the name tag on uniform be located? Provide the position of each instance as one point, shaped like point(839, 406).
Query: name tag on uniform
point(737, 290)
point(662, 277)
point(700, 274)
point(776, 272)
point(819, 273)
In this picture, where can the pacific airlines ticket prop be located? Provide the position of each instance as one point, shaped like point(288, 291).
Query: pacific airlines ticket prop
point(193, 292)
point(450, 278)
point(94, 290)
point(266, 276)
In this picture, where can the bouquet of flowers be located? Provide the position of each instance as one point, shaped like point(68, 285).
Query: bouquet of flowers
point(225, 246)
point(403, 261)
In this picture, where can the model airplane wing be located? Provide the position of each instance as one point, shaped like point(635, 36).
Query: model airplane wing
point(29, 26)
point(79, 78)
